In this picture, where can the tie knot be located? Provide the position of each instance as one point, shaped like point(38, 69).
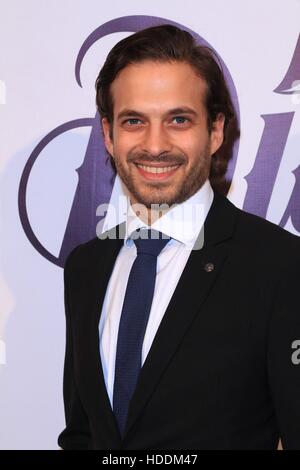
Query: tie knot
point(149, 241)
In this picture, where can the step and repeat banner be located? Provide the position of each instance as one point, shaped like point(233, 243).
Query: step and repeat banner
point(54, 172)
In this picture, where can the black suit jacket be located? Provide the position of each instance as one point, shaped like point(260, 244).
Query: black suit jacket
point(219, 374)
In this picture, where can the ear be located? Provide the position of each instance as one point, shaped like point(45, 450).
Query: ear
point(217, 133)
point(107, 140)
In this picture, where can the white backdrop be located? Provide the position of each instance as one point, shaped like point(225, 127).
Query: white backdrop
point(39, 43)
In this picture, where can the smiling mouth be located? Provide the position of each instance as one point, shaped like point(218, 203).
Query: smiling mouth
point(157, 169)
point(155, 172)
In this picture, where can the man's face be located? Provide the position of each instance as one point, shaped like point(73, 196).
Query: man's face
point(161, 145)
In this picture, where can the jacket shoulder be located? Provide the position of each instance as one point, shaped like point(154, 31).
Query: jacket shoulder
point(265, 237)
point(82, 254)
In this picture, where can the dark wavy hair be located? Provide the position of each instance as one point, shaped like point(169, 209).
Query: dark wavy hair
point(166, 43)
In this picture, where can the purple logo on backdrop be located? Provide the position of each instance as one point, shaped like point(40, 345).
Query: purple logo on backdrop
point(261, 179)
point(96, 177)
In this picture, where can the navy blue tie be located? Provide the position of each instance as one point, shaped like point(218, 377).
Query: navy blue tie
point(134, 319)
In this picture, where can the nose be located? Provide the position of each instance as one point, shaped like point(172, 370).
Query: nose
point(156, 140)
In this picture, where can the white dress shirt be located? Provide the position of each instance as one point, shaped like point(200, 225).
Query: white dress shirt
point(183, 224)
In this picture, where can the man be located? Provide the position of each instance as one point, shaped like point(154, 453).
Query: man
point(181, 332)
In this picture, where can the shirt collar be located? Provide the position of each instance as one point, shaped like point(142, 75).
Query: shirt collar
point(182, 222)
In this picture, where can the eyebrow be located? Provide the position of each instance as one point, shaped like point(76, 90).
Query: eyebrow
point(170, 112)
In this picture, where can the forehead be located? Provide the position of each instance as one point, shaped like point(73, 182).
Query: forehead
point(155, 86)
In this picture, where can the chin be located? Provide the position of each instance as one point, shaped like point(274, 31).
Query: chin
point(154, 197)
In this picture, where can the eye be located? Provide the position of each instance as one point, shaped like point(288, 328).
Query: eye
point(180, 120)
point(132, 121)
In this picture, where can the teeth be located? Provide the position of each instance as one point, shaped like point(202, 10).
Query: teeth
point(151, 169)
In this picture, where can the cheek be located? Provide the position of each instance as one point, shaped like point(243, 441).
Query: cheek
point(192, 152)
point(199, 145)
point(122, 150)
point(122, 142)
point(193, 141)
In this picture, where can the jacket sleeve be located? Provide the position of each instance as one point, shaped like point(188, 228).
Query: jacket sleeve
point(284, 355)
point(76, 434)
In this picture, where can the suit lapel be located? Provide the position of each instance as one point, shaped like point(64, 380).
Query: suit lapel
point(107, 253)
point(202, 269)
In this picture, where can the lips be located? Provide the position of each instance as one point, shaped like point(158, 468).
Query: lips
point(157, 169)
point(156, 172)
